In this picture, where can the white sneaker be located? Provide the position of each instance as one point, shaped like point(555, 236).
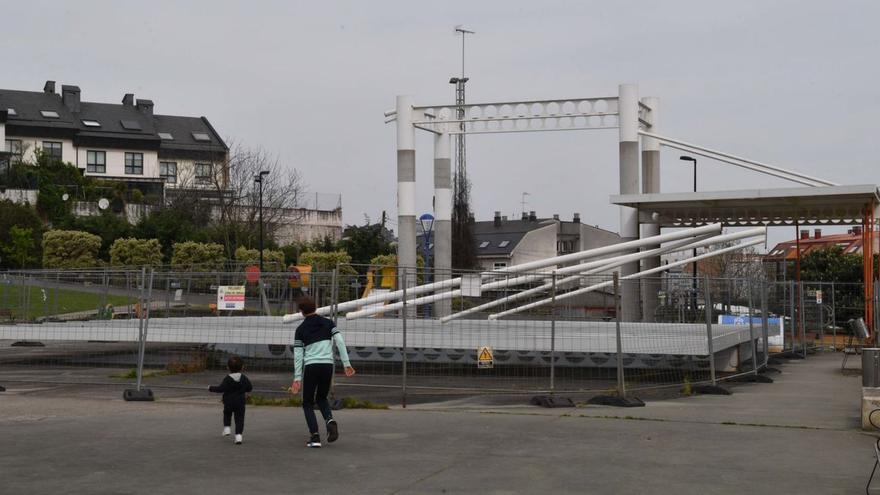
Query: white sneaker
point(226, 431)
point(237, 439)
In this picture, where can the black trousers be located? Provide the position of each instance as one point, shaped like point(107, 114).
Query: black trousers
point(316, 386)
point(234, 410)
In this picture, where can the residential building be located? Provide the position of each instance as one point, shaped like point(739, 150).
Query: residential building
point(125, 142)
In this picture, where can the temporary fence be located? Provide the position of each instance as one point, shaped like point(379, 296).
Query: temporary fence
point(497, 333)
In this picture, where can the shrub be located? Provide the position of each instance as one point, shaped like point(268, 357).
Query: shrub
point(135, 252)
point(327, 261)
point(70, 249)
point(197, 256)
point(252, 256)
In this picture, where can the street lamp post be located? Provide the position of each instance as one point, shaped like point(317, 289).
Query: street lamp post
point(427, 223)
point(694, 265)
point(259, 180)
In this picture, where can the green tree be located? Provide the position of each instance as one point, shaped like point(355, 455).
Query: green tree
point(365, 242)
point(845, 270)
point(108, 226)
point(20, 246)
point(24, 217)
point(179, 222)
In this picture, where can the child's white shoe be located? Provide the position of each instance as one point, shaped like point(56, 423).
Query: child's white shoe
point(237, 439)
point(226, 431)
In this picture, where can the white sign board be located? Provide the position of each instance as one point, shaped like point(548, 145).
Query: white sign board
point(230, 298)
point(471, 285)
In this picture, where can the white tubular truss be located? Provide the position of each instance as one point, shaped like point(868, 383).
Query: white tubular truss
point(634, 276)
point(740, 161)
point(524, 267)
point(604, 265)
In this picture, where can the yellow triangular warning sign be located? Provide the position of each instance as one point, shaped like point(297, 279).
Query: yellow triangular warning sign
point(485, 354)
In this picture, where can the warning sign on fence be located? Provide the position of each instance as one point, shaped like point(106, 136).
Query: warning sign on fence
point(484, 358)
point(230, 297)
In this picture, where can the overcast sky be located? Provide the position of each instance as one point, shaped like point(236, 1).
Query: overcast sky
point(792, 83)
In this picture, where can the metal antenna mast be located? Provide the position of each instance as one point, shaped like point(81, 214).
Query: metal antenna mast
point(462, 239)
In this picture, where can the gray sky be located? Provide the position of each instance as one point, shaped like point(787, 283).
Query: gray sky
point(791, 83)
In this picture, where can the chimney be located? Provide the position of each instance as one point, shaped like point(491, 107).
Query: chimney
point(70, 97)
point(128, 100)
point(525, 216)
point(49, 87)
point(145, 107)
point(817, 234)
point(556, 216)
point(498, 219)
point(805, 234)
point(577, 218)
point(532, 216)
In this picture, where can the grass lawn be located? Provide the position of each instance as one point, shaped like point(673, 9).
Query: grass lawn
point(57, 301)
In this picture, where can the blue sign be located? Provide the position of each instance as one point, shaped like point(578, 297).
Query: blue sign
point(773, 338)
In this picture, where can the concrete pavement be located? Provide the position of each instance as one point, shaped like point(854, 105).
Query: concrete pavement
point(61, 443)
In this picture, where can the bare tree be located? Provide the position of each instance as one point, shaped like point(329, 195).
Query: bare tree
point(232, 196)
point(238, 196)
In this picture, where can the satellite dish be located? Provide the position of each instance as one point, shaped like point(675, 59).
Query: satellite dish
point(65, 197)
point(103, 203)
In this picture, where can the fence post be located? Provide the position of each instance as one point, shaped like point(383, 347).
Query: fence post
point(403, 314)
point(334, 315)
point(752, 329)
point(140, 393)
point(801, 318)
point(707, 296)
point(821, 316)
point(791, 312)
point(621, 384)
point(553, 335)
point(765, 323)
point(833, 317)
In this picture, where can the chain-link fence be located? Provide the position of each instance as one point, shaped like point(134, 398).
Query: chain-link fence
point(414, 336)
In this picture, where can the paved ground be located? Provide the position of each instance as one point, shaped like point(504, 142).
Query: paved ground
point(59, 439)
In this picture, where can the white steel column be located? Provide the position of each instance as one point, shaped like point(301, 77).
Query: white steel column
point(442, 215)
point(650, 184)
point(406, 190)
point(628, 122)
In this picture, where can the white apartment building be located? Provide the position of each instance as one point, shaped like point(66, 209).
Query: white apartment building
point(122, 142)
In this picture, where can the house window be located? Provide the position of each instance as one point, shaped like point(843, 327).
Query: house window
point(13, 146)
point(498, 265)
point(503, 244)
point(168, 171)
point(96, 162)
point(484, 244)
point(49, 114)
point(134, 164)
point(53, 149)
point(203, 173)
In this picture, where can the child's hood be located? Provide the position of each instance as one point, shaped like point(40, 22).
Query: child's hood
point(235, 376)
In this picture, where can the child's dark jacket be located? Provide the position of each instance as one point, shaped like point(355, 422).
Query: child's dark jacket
point(233, 387)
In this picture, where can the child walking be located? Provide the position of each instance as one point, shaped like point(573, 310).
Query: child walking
point(313, 368)
point(234, 388)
